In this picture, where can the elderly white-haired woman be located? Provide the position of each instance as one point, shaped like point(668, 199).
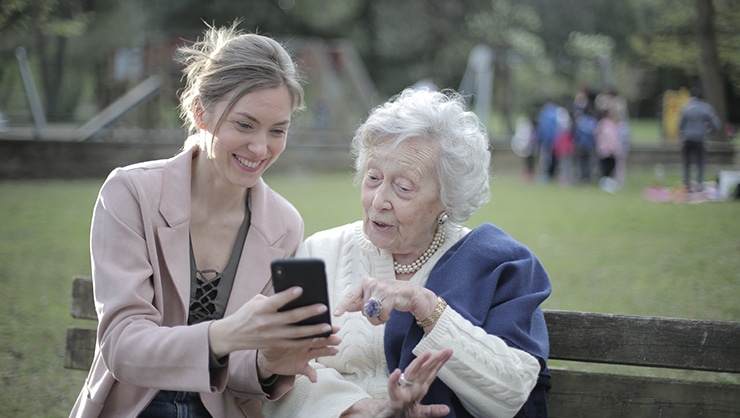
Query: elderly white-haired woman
point(436, 319)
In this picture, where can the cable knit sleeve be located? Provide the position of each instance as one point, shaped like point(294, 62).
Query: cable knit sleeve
point(490, 378)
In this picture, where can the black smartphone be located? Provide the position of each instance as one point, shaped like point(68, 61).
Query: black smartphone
point(310, 274)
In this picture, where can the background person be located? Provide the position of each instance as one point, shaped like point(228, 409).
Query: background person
point(698, 118)
point(608, 150)
point(564, 146)
point(181, 252)
point(524, 143)
point(547, 131)
point(410, 281)
point(611, 103)
point(583, 134)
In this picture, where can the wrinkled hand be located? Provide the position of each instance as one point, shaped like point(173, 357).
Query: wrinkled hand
point(393, 294)
point(405, 401)
point(284, 346)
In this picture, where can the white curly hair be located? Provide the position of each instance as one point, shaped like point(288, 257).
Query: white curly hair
point(442, 119)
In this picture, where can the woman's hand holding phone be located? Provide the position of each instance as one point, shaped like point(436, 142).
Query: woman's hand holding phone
point(289, 361)
point(264, 324)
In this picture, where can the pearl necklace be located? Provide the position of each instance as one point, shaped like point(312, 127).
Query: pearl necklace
point(439, 238)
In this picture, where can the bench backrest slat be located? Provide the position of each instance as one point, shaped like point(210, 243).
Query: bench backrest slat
point(80, 348)
point(83, 303)
point(644, 341)
point(595, 337)
point(585, 394)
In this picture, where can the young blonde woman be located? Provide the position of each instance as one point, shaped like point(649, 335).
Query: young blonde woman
point(181, 252)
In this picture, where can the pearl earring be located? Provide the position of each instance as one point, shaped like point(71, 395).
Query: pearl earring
point(443, 218)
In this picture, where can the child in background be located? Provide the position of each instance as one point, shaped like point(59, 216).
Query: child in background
point(608, 149)
point(585, 126)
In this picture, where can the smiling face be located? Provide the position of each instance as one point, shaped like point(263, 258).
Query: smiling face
point(251, 135)
point(400, 198)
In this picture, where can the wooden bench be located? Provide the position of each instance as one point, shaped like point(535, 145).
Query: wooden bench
point(80, 347)
point(708, 347)
point(647, 342)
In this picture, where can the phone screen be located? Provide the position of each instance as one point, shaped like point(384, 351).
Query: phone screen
point(310, 274)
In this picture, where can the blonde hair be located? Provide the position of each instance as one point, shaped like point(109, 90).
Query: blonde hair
point(227, 60)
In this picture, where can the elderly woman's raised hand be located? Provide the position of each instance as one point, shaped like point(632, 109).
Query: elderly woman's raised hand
point(405, 391)
point(407, 388)
point(376, 298)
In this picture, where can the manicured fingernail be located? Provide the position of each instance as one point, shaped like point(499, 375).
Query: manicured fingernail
point(297, 290)
point(326, 328)
point(321, 309)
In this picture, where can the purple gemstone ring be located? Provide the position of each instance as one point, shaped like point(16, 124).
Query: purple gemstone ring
point(373, 308)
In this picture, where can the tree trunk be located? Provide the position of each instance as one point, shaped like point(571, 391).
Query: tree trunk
point(711, 74)
point(51, 70)
point(503, 84)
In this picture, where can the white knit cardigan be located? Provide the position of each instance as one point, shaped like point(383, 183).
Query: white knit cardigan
point(490, 378)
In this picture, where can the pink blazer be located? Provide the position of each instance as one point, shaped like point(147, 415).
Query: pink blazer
point(141, 280)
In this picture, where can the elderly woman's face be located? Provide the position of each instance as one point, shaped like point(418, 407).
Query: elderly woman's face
point(400, 198)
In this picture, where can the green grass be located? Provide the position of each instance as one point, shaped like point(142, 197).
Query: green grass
point(44, 230)
point(604, 253)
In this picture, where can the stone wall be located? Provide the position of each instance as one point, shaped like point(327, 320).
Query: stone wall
point(70, 160)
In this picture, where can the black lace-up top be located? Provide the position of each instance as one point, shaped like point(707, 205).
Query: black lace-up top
point(210, 289)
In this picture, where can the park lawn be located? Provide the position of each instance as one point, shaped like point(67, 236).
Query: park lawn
point(604, 253)
point(44, 230)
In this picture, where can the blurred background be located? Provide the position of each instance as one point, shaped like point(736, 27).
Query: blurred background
point(63, 63)
point(88, 85)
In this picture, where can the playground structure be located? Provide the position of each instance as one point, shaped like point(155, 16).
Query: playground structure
point(93, 128)
point(339, 94)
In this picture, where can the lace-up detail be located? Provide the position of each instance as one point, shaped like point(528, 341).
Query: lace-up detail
point(202, 306)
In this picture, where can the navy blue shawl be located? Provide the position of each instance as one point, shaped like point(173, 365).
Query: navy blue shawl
point(493, 281)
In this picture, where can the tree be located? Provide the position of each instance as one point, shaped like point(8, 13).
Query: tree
point(697, 38)
point(512, 30)
point(45, 27)
point(543, 45)
point(711, 74)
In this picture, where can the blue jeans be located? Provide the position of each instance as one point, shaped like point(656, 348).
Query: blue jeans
point(173, 404)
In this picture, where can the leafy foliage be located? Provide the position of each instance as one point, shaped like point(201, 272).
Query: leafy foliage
point(72, 42)
point(667, 36)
